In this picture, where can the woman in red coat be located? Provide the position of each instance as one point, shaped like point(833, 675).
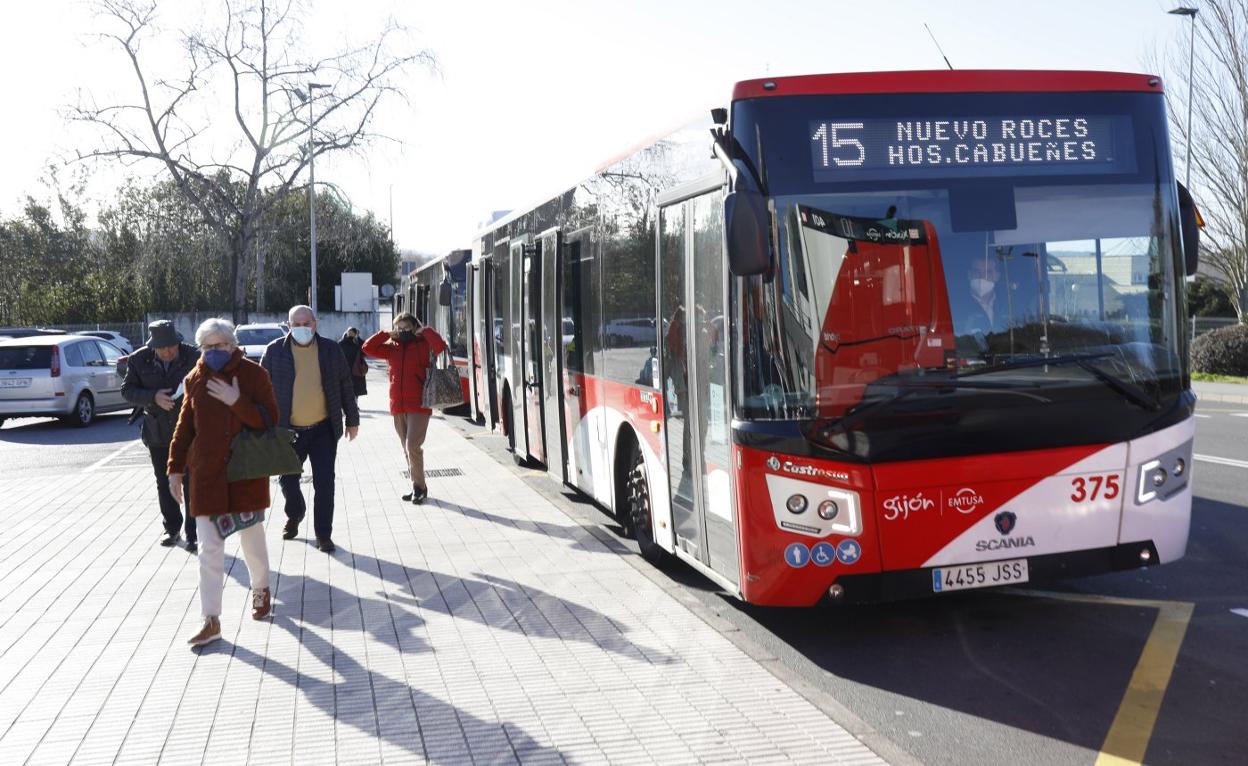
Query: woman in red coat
point(224, 393)
point(409, 350)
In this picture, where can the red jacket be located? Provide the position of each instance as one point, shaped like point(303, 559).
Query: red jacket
point(409, 365)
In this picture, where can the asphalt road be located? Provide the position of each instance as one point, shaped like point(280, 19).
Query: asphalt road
point(47, 447)
point(1026, 676)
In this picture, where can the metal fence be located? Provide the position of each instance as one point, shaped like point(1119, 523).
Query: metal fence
point(1202, 325)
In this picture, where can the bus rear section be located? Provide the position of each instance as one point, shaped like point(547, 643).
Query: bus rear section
point(965, 366)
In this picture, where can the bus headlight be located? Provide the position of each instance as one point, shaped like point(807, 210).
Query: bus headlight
point(797, 504)
point(1163, 476)
point(828, 509)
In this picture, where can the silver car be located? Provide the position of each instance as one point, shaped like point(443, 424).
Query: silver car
point(65, 376)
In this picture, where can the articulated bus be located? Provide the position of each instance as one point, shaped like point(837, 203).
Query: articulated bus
point(863, 336)
point(436, 294)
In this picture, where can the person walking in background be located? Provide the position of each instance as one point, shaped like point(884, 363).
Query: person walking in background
point(351, 343)
point(314, 390)
point(409, 349)
point(225, 393)
point(153, 377)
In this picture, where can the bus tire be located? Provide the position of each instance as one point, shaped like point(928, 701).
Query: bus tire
point(640, 516)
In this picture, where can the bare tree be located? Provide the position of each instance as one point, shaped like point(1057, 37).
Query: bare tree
point(1219, 140)
point(235, 169)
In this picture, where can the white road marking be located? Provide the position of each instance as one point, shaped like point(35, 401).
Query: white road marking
point(1222, 461)
point(109, 458)
point(1203, 416)
point(1240, 612)
point(1239, 414)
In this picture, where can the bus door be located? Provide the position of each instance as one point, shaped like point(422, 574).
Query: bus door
point(576, 305)
point(484, 341)
point(472, 331)
point(513, 340)
point(694, 370)
point(551, 371)
point(531, 342)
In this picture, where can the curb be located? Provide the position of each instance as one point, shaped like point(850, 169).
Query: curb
point(1223, 398)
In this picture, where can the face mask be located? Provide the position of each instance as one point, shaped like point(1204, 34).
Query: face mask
point(407, 336)
point(216, 358)
point(982, 287)
point(302, 335)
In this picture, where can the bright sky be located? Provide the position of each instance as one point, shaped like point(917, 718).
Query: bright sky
point(533, 95)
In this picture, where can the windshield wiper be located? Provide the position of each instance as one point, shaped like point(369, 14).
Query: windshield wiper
point(913, 385)
point(1126, 388)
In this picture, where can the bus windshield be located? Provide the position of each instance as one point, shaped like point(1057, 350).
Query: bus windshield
point(915, 277)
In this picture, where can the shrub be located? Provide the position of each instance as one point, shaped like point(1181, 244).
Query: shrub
point(1222, 352)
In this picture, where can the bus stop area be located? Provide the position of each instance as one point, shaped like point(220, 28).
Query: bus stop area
point(486, 626)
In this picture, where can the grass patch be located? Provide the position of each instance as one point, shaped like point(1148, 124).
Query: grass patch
point(1207, 377)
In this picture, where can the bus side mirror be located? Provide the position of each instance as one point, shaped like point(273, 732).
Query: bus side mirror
point(1190, 224)
point(444, 293)
point(745, 222)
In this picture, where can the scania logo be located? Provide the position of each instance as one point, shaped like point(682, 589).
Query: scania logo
point(965, 500)
point(901, 506)
point(1005, 521)
point(773, 463)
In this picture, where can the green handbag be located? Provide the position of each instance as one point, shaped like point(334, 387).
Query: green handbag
point(256, 454)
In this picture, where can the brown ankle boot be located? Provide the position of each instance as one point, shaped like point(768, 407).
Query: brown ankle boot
point(261, 604)
point(207, 634)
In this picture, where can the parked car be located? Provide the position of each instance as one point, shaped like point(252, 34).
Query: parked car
point(70, 377)
point(629, 332)
point(252, 338)
point(26, 332)
point(115, 338)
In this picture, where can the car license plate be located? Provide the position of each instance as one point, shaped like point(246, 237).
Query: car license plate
point(14, 382)
point(979, 575)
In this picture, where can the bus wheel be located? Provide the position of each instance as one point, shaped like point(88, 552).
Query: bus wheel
point(640, 516)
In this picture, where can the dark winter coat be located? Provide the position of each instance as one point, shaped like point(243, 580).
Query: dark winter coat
point(409, 366)
point(279, 360)
point(205, 433)
point(352, 350)
point(144, 378)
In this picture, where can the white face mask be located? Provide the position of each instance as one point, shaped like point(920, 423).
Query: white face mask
point(982, 287)
point(302, 335)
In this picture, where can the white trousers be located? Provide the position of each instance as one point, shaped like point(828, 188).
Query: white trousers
point(212, 562)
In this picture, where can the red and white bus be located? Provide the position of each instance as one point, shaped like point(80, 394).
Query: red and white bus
point(863, 336)
point(436, 294)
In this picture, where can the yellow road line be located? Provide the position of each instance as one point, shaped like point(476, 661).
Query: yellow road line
point(1129, 734)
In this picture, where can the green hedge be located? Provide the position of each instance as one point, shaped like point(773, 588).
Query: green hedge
point(1222, 352)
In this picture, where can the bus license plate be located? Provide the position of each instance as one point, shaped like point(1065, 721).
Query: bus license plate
point(14, 382)
point(979, 575)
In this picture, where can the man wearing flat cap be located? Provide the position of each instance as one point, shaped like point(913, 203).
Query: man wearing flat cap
point(153, 380)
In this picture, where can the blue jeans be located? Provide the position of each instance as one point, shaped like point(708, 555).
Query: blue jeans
point(317, 445)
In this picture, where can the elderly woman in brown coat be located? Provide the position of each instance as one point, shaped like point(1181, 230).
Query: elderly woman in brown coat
point(224, 394)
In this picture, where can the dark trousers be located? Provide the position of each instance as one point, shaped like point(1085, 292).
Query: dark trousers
point(318, 446)
point(169, 509)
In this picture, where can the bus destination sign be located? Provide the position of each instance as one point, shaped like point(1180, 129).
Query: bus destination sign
point(884, 148)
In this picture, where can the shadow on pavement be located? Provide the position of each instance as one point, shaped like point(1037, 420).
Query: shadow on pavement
point(110, 428)
point(1057, 669)
point(443, 732)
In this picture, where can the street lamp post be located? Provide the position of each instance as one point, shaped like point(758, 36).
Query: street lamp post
point(312, 86)
point(1184, 10)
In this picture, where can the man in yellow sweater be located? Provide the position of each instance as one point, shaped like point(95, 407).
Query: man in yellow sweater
point(314, 391)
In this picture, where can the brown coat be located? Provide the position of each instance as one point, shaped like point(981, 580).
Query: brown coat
point(206, 429)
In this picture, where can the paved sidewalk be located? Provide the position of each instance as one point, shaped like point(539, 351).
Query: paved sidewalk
point(482, 627)
point(1229, 393)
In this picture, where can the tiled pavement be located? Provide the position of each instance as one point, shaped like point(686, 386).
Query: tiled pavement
point(483, 627)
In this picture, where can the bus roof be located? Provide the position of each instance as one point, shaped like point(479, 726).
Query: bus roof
point(945, 81)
